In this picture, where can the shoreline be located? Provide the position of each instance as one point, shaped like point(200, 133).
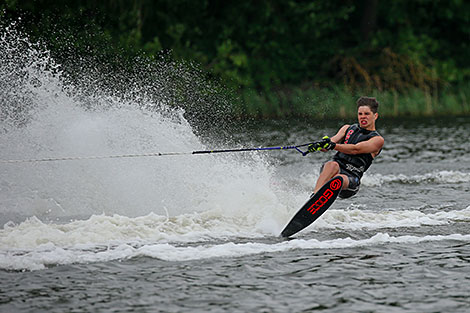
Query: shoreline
point(339, 103)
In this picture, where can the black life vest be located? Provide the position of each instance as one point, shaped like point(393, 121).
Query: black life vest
point(357, 164)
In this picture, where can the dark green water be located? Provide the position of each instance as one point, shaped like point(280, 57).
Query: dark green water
point(401, 245)
point(200, 233)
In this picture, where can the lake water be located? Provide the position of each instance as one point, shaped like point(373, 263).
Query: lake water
point(200, 233)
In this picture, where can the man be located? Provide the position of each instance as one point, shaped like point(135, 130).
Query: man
point(357, 146)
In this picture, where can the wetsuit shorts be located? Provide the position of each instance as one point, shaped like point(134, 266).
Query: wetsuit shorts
point(354, 182)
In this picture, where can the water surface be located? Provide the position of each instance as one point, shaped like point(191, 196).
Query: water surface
point(199, 233)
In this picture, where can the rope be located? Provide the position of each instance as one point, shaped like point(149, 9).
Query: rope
point(95, 157)
point(158, 154)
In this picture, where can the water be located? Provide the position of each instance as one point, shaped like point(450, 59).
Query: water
point(200, 232)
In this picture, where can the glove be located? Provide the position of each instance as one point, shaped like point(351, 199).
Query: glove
point(327, 144)
point(324, 144)
point(315, 146)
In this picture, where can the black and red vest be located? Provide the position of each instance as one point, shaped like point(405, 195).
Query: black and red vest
point(357, 164)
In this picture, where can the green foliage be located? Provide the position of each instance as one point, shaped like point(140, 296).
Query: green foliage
point(339, 102)
point(284, 57)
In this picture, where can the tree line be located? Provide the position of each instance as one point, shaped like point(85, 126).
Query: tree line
point(273, 45)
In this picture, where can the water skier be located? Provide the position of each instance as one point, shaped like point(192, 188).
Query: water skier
point(357, 146)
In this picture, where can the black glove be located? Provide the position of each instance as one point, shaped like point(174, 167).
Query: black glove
point(324, 144)
point(315, 146)
point(327, 144)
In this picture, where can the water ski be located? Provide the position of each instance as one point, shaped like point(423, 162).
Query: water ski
point(314, 207)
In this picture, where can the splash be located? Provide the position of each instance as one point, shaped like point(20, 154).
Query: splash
point(33, 245)
point(45, 115)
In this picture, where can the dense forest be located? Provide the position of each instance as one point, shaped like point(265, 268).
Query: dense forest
point(280, 57)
